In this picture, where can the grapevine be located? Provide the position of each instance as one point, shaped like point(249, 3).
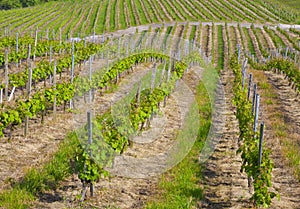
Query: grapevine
point(261, 174)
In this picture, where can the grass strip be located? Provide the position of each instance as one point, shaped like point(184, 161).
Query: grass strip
point(180, 186)
point(37, 180)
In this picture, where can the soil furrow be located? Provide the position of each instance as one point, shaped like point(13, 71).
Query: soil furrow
point(224, 185)
point(119, 191)
point(255, 44)
point(157, 13)
point(283, 113)
point(22, 153)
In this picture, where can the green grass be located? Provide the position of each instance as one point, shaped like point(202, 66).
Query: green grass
point(294, 4)
point(37, 180)
point(279, 128)
point(15, 199)
point(180, 186)
point(250, 44)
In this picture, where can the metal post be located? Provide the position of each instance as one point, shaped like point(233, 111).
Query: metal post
point(50, 54)
point(35, 43)
point(90, 77)
point(153, 78)
point(249, 86)
point(254, 98)
point(72, 77)
point(17, 42)
point(90, 140)
point(239, 53)
point(54, 84)
point(6, 75)
point(244, 72)
point(29, 53)
point(169, 71)
point(28, 97)
point(261, 136)
point(138, 94)
point(256, 112)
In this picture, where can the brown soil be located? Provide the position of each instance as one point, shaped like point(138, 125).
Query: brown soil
point(255, 44)
point(284, 110)
point(22, 153)
point(169, 16)
point(224, 185)
point(269, 40)
point(122, 192)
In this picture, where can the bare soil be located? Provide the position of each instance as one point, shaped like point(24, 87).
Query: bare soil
point(124, 192)
point(286, 102)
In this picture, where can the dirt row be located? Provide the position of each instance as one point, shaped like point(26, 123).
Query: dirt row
point(224, 185)
point(282, 121)
point(135, 175)
point(22, 153)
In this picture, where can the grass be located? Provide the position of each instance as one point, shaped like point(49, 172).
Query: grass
point(15, 199)
point(37, 180)
point(291, 4)
point(250, 44)
point(180, 186)
point(289, 145)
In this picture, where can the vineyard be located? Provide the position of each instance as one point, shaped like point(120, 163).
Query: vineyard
point(150, 104)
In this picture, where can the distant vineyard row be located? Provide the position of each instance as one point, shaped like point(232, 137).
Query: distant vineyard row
point(88, 17)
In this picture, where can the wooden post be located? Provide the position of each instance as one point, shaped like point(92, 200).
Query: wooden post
point(261, 136)
point(6, 75)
